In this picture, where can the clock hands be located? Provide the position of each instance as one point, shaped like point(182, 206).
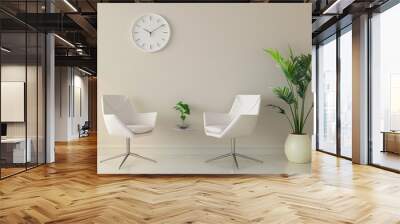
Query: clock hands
point(158, 28)
point(150, 32)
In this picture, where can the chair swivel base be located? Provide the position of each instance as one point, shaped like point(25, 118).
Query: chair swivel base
point(126, 155)
point(234, 156)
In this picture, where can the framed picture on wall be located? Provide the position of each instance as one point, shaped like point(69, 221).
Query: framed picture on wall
point(12, 101)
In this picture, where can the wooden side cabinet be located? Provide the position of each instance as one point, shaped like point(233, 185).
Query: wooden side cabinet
point(391, 142)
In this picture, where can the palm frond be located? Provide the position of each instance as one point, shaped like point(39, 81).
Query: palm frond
point(297, 71)
point(285, 65)
point(278, 109)
point(285, 94)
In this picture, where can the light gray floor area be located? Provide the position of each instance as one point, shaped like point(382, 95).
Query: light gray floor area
point(195, 164)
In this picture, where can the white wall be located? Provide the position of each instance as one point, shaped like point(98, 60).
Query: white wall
point(68, 81)
point(80, 115)
point(61, 103)
point(215, 52)
point(19, 73)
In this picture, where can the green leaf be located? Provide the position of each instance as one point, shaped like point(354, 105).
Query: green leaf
point(186, 108)
point(285, 94)
point(278, 109)
point(183, 109)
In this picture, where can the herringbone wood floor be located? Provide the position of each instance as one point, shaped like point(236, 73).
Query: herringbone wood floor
point(70, 191)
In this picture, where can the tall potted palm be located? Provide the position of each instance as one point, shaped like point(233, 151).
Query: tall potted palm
point(297, 72)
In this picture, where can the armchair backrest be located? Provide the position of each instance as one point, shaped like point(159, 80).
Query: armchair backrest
point(118, 105)
point(245, 104)
point(117, 112)
point(244, 115)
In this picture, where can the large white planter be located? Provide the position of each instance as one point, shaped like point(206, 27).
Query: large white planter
point(298, 148)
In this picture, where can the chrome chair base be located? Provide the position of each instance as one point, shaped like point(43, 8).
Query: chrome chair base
point(127, 154)
point(234, 155)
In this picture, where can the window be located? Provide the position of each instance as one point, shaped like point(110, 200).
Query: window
point(385, 89)
point(394, 102)
point(346, 93)
point(327, 96)
point(334, 106)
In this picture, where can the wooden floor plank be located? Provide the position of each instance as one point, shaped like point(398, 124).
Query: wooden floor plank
point(70, 191)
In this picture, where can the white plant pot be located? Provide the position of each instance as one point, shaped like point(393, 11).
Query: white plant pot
point(298, 148)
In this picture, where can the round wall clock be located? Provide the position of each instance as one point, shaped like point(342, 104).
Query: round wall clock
point(151, 32)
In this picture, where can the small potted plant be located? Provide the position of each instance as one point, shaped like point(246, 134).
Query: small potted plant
point(184, 111)
point(297, 72)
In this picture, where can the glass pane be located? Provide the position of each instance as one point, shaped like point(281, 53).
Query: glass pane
point(32, 95)
point(13, 87)
point(41, 98)
point(385, 84)
point(22, 89)
point(346, 94)
point(327, 97)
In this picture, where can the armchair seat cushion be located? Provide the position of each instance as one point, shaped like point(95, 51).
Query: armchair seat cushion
point(140, 128)
point(216, 129)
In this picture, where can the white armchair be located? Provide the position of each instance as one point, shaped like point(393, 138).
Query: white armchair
point(121, 119)
point(240, 121)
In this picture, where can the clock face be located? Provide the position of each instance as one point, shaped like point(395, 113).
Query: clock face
point(151, 33)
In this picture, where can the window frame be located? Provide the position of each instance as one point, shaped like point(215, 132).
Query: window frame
point(334, 37)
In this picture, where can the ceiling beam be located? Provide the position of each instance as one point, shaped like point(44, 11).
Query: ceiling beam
point(84, 24)
point(83, 61)
point(337, 7)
